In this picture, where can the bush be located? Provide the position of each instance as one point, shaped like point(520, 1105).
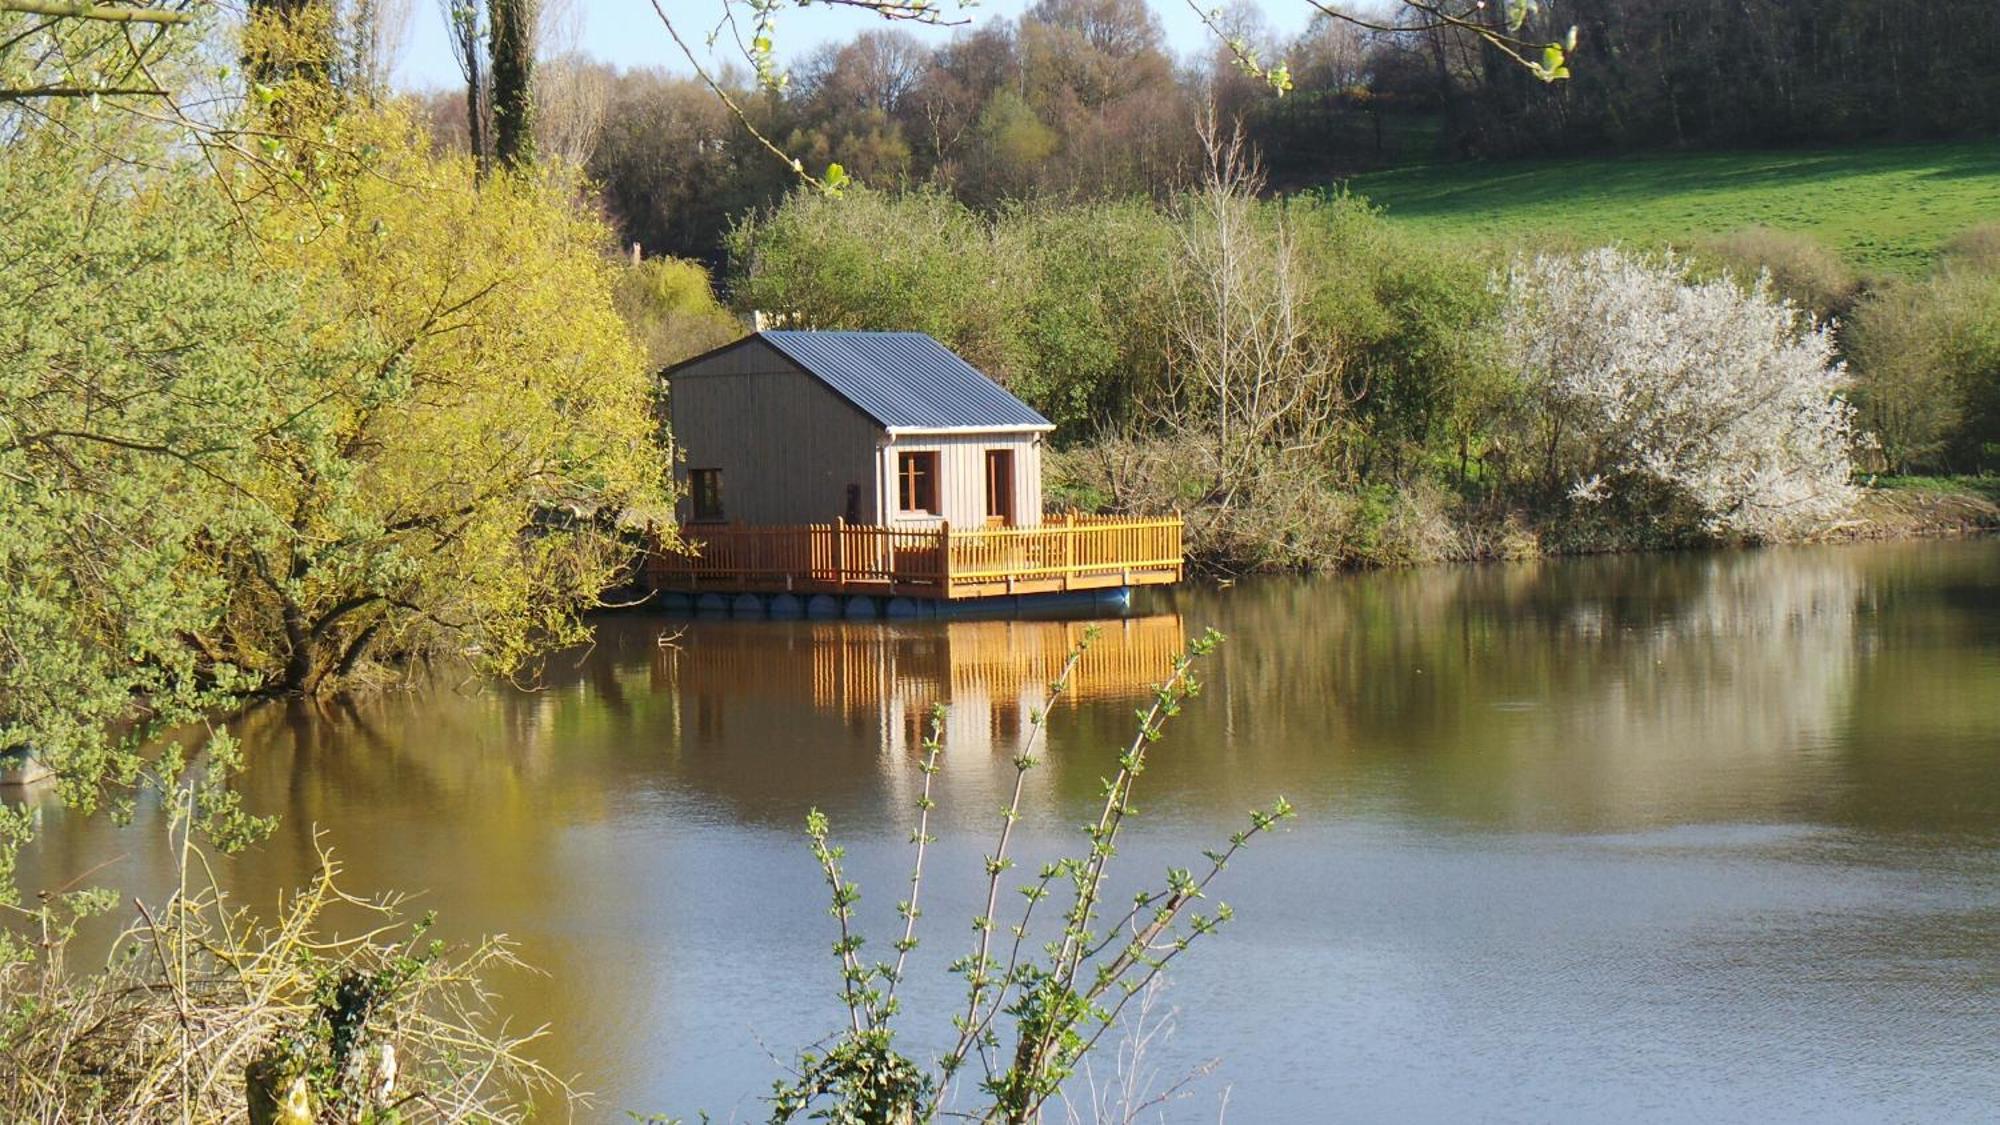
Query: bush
point(671, 307)
point(1927, 358)
point(1029, 1019)
point(204, 1013)
point(1801, 268)
point(1640, 381)
point(1975, 248)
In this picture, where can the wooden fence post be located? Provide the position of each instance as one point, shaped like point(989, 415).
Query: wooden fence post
point(840, 552)
point(944, 556)
point(1069, 547)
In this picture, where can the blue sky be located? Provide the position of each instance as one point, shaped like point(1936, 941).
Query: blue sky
point(628, 34)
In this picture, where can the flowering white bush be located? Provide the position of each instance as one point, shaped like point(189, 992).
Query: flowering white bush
point(1726, 399)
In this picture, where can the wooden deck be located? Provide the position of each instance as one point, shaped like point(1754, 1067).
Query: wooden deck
point(1074, 552)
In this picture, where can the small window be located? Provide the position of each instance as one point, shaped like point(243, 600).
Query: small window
point(916, 482)
point(705, 491)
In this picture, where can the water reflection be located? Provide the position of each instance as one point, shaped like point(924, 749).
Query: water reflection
point(1591, 694)
point(748, 684)
point(1654, 837)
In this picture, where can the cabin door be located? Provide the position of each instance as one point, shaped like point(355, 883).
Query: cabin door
point(999, 488)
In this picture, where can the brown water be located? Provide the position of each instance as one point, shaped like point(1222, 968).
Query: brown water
point(1664, 838)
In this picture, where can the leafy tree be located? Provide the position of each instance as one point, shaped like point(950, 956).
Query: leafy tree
point(52, 51)
point(919, 261)
point(673, 167)
point(288, 427)
point(471, 416)
point(131, 396)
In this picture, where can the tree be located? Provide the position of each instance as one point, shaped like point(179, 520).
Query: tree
point(672, 166)
point(1647, 385)
point(1080, 55)
point(130, 398)
point(468, 32)
point(513, 53)
point(54, 50)
point(1927, 358)
point(1246, 371)
point(467, 420)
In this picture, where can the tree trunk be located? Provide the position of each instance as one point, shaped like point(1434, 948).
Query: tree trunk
point(465, 23)
point(513, 82)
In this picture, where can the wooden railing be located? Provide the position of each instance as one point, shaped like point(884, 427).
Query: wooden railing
point(1068, 553)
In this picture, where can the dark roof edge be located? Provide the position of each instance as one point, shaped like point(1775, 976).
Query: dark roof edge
point(667, 373)
point(713, 352)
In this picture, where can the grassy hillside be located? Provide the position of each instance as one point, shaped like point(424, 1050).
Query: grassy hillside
point(1885, 208)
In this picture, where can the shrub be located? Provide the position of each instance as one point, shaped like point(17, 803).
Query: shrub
point(1975, 248)
point(1927, 358)
point(671, 307)
point(1801, 268)
point(1029, 1019)
point(1640, 380)
point(205, 1013)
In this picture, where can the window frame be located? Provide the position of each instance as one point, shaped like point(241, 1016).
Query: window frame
point(1000, 487)
point(916, 475)
point(705, 504)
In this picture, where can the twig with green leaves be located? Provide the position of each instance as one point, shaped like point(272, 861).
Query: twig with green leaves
point(1061, 1002)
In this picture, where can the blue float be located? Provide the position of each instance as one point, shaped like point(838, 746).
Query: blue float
point(747, 605)
point(823, 607)
point(786, 607)
point(860, 607)
point(674, 602)
point(901, 609)
point(711, 604)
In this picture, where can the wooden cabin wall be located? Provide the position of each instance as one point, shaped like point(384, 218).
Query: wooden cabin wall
point(962, 478)
point(788, 446)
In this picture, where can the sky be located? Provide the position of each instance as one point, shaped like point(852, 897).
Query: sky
point(627, 33)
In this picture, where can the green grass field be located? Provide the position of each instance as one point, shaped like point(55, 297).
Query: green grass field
point(1885, 208)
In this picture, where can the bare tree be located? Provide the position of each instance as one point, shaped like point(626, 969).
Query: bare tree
point(468, 33)
point(374, 31)
point(572, 93)
point(1248, 376)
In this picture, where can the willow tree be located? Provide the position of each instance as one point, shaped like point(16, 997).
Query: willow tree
point(131, 396)
point(466, 422)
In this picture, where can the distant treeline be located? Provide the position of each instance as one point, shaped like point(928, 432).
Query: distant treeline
point(1752, 72)
point(1080, 99)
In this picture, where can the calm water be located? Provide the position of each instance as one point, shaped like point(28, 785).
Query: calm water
point(1664, 838)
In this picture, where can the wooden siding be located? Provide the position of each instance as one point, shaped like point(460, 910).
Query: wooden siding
point(788, 446)
point(962, 478)
point(1073, 553)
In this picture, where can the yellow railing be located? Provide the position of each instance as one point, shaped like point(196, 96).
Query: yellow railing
point(1068, 552)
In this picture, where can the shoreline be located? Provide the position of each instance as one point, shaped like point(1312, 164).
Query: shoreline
point(1895, 509)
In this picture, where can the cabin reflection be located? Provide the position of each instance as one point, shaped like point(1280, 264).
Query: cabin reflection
point(992, 675)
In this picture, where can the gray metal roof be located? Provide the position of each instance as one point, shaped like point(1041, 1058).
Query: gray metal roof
point(906, 380)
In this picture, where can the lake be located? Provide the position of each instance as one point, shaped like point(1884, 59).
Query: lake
point(1666, 838)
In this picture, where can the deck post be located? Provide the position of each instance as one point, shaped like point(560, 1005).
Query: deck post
point(1069, 548)
point(944, 557)
point(840, 552)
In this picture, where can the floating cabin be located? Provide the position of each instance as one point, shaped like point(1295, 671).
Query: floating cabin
point(875, 465)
